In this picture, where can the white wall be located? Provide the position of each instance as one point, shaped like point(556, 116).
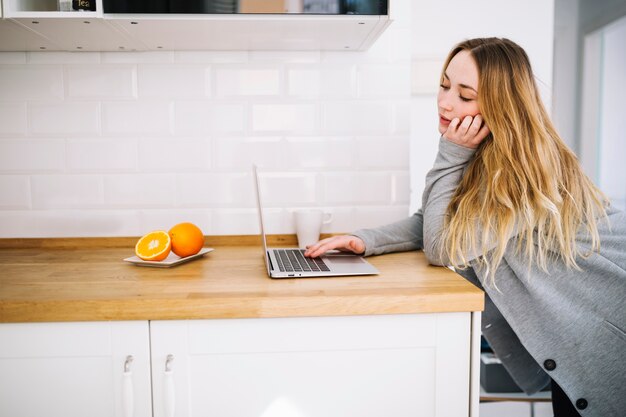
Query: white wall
point(114, 144)
point(612, 123)
point(566, 74)
point(601, 90)
point(437, 27)
point(110, 144)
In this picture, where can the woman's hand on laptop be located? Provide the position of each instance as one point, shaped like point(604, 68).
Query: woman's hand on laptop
point(346, 243)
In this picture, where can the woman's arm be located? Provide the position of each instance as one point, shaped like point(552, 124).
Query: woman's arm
point(441, 183)
point(457, 145)
point(401, 236)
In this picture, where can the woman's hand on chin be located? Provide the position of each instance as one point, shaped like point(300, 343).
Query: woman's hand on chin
point(468, 133)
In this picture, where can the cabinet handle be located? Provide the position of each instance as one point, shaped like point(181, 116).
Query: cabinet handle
point(169, 396)
point(127, 388)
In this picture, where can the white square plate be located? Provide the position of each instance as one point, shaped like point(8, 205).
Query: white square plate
point(171, 260)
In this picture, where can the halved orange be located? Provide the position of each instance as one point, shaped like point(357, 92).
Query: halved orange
point(154, 246)
point(187, 239)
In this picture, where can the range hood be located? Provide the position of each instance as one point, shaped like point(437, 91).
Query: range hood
point(131, 25)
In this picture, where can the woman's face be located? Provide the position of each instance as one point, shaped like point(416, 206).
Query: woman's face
point(458, 93)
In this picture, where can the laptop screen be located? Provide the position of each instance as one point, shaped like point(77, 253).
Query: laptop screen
point(257, 189)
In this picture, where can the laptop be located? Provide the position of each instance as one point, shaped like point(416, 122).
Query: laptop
point(291, 262)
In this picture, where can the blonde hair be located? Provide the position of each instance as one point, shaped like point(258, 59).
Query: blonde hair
point(523, 180)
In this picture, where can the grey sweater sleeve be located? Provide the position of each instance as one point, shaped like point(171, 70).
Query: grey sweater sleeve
point(441, 183)
point(404, 235)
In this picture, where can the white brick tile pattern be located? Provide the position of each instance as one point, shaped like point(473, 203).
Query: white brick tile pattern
point(64, 118)
point(101, 81)
point(12, 119)
point(121, 143)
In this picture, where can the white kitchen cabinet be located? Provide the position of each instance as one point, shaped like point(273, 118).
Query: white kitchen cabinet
point(366, 366)
point(97, 31)
point(80, 34)
point(395, 365)
point(45, 9)
point(251, 32)
point(75, 369)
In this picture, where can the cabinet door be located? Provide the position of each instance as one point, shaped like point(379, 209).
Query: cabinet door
point(386, 365)
point(75, 369)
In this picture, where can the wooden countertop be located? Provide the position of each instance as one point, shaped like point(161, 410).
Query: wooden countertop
point(85, 279)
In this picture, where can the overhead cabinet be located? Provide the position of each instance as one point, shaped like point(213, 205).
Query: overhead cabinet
point(319, 7)
point(151, 26)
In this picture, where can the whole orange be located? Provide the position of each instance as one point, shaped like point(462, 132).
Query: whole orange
point(187, 239)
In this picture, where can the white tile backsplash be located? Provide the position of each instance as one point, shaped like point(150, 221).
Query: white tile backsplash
point(319, 152)
point(15, 192)
point(70, 223)
point(235, 222)
point(356, 117)
point(215, 190)
point(31, 82)
point(425, 75)
point(174, 80)
point(382, 152)
point(400, 188)
point(136, 118)
point(121, 143)
point(101, 81)
point(401, 115)
point(242, 152)
point(341, 188)
point(281, 117)
point(64, 118)
point(304, 82)
point(12, 119)
point(164, 219)
point(279, 189)
point(202, 117)
point(174, 154)
point(101, 155)
point(376, 81)
point(276, 221)
point(66, 191)
point(139, 190)
point(327, 81)
point(246, 81)
point(32, 155)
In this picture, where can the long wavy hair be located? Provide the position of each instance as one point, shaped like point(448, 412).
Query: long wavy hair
point(523, 180)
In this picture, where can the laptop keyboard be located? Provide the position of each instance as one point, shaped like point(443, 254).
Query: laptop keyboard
point(293, 260)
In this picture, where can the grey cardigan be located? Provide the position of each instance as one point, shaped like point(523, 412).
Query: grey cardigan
point(566, 324)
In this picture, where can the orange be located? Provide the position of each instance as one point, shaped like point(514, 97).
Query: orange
point(154, 246)
point(187, 239)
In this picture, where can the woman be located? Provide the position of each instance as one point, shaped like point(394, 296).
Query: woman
point(509, 207)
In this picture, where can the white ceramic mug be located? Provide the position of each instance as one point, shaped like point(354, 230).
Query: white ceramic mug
point(309, 225)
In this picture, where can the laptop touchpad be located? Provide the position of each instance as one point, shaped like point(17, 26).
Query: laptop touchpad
point(344, 259)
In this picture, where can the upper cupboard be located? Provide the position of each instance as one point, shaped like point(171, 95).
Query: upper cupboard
point(140, 25)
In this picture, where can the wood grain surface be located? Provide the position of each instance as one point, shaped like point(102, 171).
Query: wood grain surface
point(86, 280)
